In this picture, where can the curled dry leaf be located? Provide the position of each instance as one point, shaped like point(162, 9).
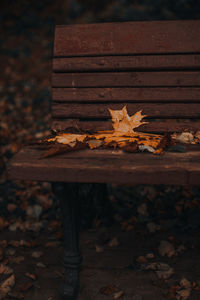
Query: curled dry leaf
point(108, 290)
point(183, 294)
point(114, 242)
point(118, 295)
point(37, 254)
point(7, 279)
point(163, 271)
point(32, 276)
point(166, 248)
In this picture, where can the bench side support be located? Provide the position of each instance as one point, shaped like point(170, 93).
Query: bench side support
point(68, 195)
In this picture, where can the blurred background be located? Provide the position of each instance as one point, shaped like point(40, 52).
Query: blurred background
point(26, 38)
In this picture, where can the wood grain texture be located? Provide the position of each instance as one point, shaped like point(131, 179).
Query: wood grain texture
point(127, 38)
point(126, 79)
point(151, 94)
point(101, 110)
point(120, 63)
point(166, 125)
point(137, 168)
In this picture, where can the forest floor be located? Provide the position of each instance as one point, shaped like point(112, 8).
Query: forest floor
point(151, 251)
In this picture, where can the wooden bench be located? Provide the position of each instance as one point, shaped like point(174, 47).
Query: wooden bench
point(154, 66)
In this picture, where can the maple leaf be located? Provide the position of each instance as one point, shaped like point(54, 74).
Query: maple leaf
point(122, 122)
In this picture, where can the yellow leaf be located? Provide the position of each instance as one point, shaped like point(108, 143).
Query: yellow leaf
point(122, 122)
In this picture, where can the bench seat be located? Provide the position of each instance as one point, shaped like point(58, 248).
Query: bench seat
point(107, 166)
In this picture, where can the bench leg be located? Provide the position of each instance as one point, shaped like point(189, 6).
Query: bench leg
point(68, 194)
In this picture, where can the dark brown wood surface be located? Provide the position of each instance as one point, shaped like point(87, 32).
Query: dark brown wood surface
point(107, 166)
point(151, 94)
point(136, 62)
point(152, 66)
point(159, 125)
point(126, 79)
point(101, 110)
point(127, 38)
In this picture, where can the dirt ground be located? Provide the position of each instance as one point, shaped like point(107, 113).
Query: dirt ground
point(111, 257)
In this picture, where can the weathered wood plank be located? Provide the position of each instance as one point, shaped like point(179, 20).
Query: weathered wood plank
point(166, 125)
point(126, 79)
point(151, 94)
point(137, 168)
point(101, 110)
point(120, 63)
point(128, 38)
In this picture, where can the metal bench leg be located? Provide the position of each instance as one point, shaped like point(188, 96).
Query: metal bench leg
point(68, 194)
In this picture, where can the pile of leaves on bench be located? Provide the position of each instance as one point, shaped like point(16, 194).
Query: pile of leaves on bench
point(121, 137)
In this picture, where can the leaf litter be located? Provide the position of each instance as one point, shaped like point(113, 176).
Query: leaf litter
point(123, 136)
point(7, 280)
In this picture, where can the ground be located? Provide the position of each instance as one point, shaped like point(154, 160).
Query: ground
point(116, 264)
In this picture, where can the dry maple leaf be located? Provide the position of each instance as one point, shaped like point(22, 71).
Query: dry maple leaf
point(122, 122)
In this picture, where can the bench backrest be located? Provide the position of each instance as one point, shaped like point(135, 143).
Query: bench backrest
point(154, 66)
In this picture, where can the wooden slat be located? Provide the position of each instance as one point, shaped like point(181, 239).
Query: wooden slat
point(152, 110)
point(142, 62)
point(167, 125)
point(136, 168)
point(175, 94)
point(128, 38)
point(126, 79)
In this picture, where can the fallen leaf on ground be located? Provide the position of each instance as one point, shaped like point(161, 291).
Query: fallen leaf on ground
point(183, 294)
point(166, 249)
point(114, 242)
point(150, 255)
point(40, 265)
point(108, 290)
point(7, 279)
point(99, 248)
point(32, 276)
point(118, 295)
point(37, 254)
point(141, 260)
point(163, 271)
point(184, 283)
